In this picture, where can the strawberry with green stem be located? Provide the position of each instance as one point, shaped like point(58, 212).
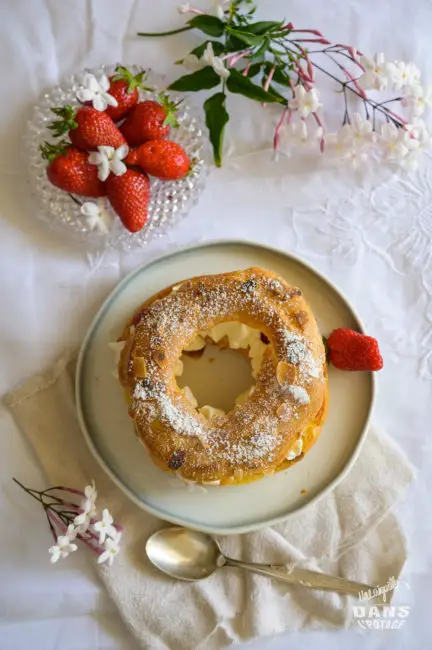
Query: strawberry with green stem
point(69, 169)
point(87, 127)
point(124, 88)
point(150, 120)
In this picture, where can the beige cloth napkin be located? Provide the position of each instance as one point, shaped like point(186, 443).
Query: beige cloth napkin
point(350, 533)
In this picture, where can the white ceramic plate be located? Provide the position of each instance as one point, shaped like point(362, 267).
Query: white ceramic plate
point(230, 509)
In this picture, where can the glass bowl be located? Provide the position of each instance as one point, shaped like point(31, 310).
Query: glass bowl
point(170, 200)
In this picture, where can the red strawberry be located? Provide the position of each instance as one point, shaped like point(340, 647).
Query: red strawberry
point(129, 195)
point(149, 120)
point(124, 88)
point(350, 350)
point(87, 127)
point(70, 170)
point(162, 158)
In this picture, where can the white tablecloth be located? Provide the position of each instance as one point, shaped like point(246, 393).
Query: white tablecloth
point(372, 238)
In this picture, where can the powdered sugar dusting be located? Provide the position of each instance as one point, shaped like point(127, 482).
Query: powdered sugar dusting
point(299, 394)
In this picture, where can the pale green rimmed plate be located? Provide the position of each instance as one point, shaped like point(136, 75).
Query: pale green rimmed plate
point(221, 510)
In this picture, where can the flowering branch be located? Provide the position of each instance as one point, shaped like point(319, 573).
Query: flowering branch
point(69, 522)
point(268, 62)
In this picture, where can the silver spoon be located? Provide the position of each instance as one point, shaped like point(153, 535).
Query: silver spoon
point(189, 555)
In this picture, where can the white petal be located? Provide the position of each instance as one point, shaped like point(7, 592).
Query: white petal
point(106, 151)
point(104, 557)
point(208, 55)
point(118, 167)
point(103, 170)
point(122, 151)
point(94, 158)
point(89, 209)
point(110, 100)
point(85, 95)
point(192, 62)
point(99, 102)
point(104, 82)
point(90, 82)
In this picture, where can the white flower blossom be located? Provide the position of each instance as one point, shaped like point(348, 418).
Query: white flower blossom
point(395, 143)
point(95, 91)
point(216, 62)
point(192, 62)
point(300, 135)
point(112, 548)
point(347, 145)
point(403, 75)
point(184, 9)
point(375, 73)
point(62, 549)
point(105, 526)
point(109, 160)
point(361, 130)
point(417, 98)
point(97, 215)
point(420, 141)
point(218, 8)
point(88, 506)
point(305, 101)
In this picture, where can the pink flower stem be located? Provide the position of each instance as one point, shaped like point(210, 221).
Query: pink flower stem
point(197, 12)
point(303, 76)
point(276, 137)
point(56, 520)
point(269, 78)
point(246, 70)
point(232, 59)
point(322, 41)
point(354, 82)
point(320, 124)
point(315, 32)
point(90, 544)
point(267, 82)
point(398, 117)
point(308, 63)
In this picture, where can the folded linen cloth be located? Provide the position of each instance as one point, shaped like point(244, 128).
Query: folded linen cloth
point(349, 532)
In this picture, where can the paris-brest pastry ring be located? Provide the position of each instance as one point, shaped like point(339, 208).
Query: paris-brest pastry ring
point(282, 413)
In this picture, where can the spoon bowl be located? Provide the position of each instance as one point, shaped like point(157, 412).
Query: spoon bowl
point(184, 554)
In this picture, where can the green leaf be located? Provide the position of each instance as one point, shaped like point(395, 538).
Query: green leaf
point(200, 80)
point(236, 83)
point(249, 39)
point(264, 26)
point(264, 47)
point(216, 118)
point(254, 69)
point(272, 90)
point(210, 25)
point(232, 43)
point(218, 48)
point(279, 75)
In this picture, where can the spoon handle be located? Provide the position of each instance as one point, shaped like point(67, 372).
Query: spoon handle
point(304, 577)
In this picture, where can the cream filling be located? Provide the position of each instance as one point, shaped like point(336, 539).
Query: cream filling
point(239, 336)
point(296, 450)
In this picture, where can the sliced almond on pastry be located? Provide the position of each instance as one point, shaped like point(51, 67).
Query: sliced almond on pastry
point(139, 367)
point(285, 373)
